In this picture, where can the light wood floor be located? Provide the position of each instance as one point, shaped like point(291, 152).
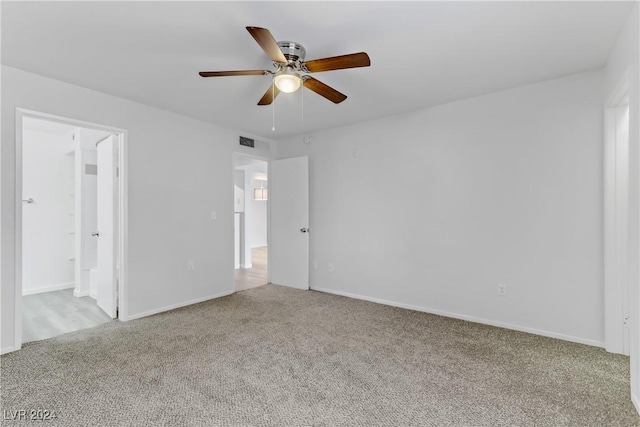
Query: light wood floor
point(50, 314)
point(247, 278)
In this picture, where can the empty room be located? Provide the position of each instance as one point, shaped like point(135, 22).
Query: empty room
point(320, 213)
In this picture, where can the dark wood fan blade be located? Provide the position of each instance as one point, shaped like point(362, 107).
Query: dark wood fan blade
point(269, 95)
point(323, 90)
point(233, 73)
point(267, 43)
point(353, 60)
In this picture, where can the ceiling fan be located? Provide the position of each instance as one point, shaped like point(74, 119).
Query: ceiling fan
point(288, 61)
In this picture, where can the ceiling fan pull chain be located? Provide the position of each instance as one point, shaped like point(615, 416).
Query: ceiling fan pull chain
point(273, 104)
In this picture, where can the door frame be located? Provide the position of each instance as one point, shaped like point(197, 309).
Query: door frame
point(21, 114)
point(267, 160)
point(616, 227)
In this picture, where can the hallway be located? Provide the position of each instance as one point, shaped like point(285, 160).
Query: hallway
point(248, 278)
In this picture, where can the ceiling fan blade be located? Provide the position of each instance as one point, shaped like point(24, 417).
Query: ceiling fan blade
point(269, 95)
point(267, 43)
point(234, 73)
point(323, 90)
point(353, 60)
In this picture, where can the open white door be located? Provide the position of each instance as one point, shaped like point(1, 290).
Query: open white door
point(289, 218)
point(107, 226)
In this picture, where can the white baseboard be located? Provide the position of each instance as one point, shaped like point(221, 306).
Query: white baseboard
point(79, 294)
point(174, 306)
point(47, 288)
point(6, 350)
point(468, 318)
point(636, 402)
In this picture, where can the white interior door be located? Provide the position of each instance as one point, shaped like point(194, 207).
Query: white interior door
point(107, 226)
point(289, 218)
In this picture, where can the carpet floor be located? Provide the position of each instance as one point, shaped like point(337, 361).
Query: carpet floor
point(274, 356)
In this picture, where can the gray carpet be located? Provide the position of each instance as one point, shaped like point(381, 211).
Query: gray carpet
point(282, 357)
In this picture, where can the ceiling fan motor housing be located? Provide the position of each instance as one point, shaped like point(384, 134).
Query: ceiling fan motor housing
point(294, 52)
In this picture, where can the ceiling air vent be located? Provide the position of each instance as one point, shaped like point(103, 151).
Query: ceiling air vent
point(247, 142)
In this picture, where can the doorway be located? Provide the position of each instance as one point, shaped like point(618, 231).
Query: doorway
point(70, 231)
point(251, 196)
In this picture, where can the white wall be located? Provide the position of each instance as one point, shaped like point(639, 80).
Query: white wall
point(48, 245)
point(239, 221)
point(238, 191)
point(258, 218)
point(252, 222)
point(625, 56)
point(435, 208)
point(179, 171)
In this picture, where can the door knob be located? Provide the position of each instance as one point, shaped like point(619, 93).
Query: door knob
point(304, 230)
point(96, 234)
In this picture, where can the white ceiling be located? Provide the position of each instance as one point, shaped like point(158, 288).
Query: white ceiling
point(422, 53)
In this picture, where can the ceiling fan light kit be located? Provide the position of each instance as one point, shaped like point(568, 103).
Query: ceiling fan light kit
point(287, 80)
point(289, 62)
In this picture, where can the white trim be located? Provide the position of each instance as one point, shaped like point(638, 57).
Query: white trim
point(246, 266)
point(178, 305)
point(268, 225)
point(17, 270)
point(616, 222)
point(6, 350)
point(636, 402)
point(22, 113)
point(78, 294)
point(47, 288)
point(466, 317)
point(123, 235)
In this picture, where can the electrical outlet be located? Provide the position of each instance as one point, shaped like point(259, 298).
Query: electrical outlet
point(502, 290)
point(330, 266)
point(190, 265)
